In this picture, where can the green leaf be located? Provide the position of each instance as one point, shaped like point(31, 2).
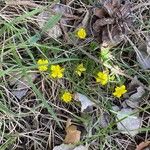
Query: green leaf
point(35, 38)
point(51, 22)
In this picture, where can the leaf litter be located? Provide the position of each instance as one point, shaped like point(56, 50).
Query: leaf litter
point(110, 23)
point(127, 123)
point(135, 99)
point(85, 101)
point(143, 56)
point(21, 84)
point(72, 137)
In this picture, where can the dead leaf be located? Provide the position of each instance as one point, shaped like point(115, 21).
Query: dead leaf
point(143, 57)
point(64, 147)
point(72, 138)
point(72, 134)
point(125, 10)
point(63, 9)
point(54, 32)
point(21, 84)
point(81, 147)
point(144, 60)
point(135, 98)
point(104, 119)
point(143, 145)
point(114, 22)
point(85, 101)
point(109, 6)
point(133, 84)
point(70, 147)
point(111, 37)
point(100, 13)
point(19, 93)
point(102, 22)
point(131, 124)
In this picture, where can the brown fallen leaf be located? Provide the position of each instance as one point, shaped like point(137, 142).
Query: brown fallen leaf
point(73, 135)
point(113, 20)
point(110, 7)
point(143, 145)
point(102, 22)
point(100, 13)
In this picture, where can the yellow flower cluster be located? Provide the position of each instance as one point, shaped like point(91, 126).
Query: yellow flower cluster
point(57, 72)
point(103, 78)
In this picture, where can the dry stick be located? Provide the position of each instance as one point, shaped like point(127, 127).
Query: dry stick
point(139, 6)
point(28, 3)
point(24, 3)
point(120, 72)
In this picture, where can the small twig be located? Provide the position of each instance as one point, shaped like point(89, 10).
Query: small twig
point(139, 6)
point(23, 3)
point(117, 71)
point(70, 16)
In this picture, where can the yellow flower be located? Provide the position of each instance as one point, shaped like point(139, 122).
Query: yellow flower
point(80, 69)
point(102, 78)
point(42, 64)
point(81, 33)
point(56, 71)
point(119, 91)
point(67, 97)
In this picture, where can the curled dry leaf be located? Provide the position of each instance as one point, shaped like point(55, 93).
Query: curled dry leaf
point(85, 101)
point(143, 145)
point(114, 20)
point(128, 124)
point(72, 134)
